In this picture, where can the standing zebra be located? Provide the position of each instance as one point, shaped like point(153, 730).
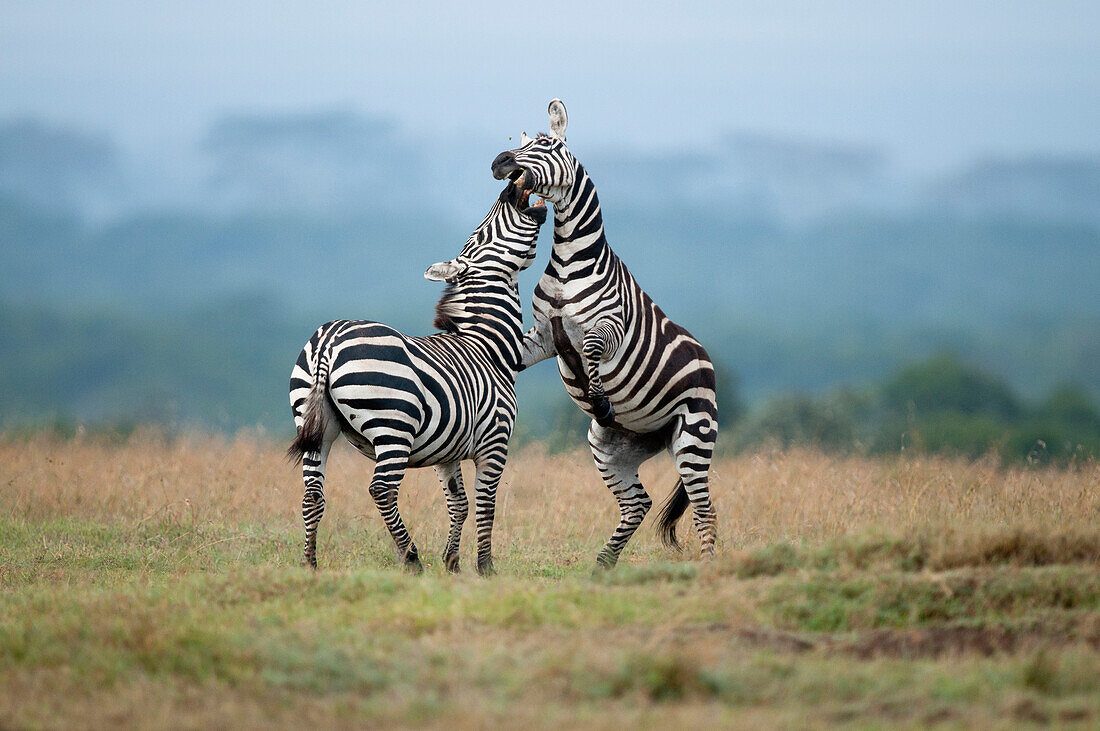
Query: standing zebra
point(415, 401)
point(645, 381)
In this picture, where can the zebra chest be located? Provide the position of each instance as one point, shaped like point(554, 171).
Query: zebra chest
point(568, 342)
point(565, 300)
point(561, 302)
point(568, 335)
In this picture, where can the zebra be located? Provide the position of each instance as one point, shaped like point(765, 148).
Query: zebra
point(415, 401)
point(645, 382)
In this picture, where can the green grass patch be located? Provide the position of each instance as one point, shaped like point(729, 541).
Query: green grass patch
point(840, 604)
point(941, 551)
point(105, 624)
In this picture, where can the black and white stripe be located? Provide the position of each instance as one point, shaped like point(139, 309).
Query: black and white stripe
point(415, 401)
point(645, 381)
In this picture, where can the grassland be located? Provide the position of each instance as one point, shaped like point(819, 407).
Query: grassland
point(156, 583)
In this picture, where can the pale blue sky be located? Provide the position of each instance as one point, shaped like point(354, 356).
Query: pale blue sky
point(932, 83)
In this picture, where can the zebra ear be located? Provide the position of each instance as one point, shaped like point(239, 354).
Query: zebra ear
point(445, 271)
point(558, 119)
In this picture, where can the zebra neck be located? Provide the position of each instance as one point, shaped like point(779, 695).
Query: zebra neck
point(488, 315)
point(578, 222)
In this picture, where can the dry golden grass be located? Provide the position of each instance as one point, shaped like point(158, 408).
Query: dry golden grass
point(156, 583)
point(546, 501)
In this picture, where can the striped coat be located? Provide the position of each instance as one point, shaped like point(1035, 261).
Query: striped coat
point(647, 384)
point(408, 401)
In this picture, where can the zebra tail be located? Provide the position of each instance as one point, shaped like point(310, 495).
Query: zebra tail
point(312, 431)
point(674, 507)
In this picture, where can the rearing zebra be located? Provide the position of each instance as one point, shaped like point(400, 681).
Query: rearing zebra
point(645, 381)
point(415, 401)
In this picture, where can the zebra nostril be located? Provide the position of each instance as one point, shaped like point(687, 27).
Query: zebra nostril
point(503, 165)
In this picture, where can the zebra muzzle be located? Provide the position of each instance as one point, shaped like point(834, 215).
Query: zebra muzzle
point(505, 166)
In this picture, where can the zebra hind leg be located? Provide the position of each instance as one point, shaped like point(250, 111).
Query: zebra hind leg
point(458, 507)
point(313, 503)
point(618, 456)
point(692, 448)
point(313, 500)
point(313, 477)
point(388, 473)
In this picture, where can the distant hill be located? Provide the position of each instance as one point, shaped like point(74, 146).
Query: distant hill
point(801, 265)
point(58, 168)
point(1047, 187)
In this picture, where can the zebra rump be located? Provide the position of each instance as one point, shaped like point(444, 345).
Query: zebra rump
point(312, 430)
point(313, 426)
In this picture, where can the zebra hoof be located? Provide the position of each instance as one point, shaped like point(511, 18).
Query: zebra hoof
point(485, 568)
point(604, 412)
point(605, 561)
point(451, 562)
point(411, 559)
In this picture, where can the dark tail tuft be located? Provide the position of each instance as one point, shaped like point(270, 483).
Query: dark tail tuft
point(312, 430)
point(311, 433)
point(674, 507)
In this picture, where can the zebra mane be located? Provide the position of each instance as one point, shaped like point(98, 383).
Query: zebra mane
point(447, 309)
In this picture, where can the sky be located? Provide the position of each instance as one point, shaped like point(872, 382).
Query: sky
point(930, 83)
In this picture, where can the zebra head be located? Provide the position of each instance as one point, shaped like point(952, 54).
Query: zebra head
point(543, 164)
point(502, 246)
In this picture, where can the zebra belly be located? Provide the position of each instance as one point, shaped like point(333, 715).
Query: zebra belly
point(441, 432)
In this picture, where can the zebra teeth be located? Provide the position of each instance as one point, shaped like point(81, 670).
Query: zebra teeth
point(523, 202)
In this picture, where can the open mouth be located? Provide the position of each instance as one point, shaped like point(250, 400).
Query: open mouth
point(523, 200)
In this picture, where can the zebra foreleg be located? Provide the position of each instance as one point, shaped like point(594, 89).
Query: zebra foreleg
point(599, 344)
point(489, 468)
point(388, 473)
point(458, 507)
point(692, 448)
point(537, 345)
point(618, 456)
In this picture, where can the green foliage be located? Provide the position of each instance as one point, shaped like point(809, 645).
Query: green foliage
point(224, 366)
point(731, 406)
point(1045, 441)
point(952, 408)
point(941, 405)
point(1071, 406)
point(945, 384)
point(944, 432)
point(800, 419)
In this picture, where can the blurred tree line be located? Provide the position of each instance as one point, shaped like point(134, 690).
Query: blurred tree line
point(941, 405)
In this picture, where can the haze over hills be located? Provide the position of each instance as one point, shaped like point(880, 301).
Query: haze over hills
point(179, 287)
